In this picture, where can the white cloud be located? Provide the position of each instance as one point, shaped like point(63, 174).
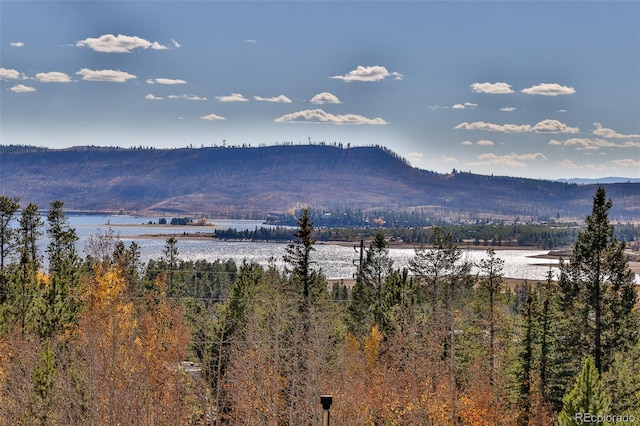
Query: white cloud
point(553, 126)
point(17, 44)
point(554, 142)
point(626, 162)
point(549, 89)
point(9, 74)
point(545, 126)
point(175, 43)
point(325, 98)
point(449, 160)
point(513, 159)
point(484, 142)
point(567, 164)
point(436, 107)
point(464, 105)
point(234, 97)
point(280, 98)
point(187, 97)
point(508, 109)
point(53, 77)
point(493, 88)
point(490, 127)
point(21, 88)
point(320, 116)
point(150, 81)
point(466, 143)
point(166, 81)
point(151, 97)
point(108, 43)
point(609, 133)
point(212, 117)
point(374, 73)
point(591, 144)
point(250, 40)
point(562, 110)
point(112, 76)
point(415, 157)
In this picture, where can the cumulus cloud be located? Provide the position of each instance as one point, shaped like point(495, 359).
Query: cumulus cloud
point(567, 164)
point(151, 97)
point(187, 97)
point(112, 76)
point(512, 159)
point(464, 105)
point(21, 88)
point(320, 116)
point(484, 142)
point(108, 43)
point(10, 74)
point(325, 98)
point(374, 73)
point(212, 117)
point(553, 126)
point(626, 162)
point(53, 77)
point(554, 142)
point(234, 97)
point(590, 144)
point(508, 109)
point(545, 126)
point(165, 81)
point(493, 88)
point(609, 133)
point(491, 127)
point(17, 44)
point(549, 89)
point(278, 99)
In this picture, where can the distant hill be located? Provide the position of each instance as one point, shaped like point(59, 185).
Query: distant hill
point(222, 181)
point(582, 181)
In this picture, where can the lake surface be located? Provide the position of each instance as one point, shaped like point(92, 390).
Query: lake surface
point(335, 261)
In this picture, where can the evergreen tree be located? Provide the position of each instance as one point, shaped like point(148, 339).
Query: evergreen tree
point(490, 290)
point(587, 398)
point(30, 223)
point(57, 306)
point(598, 290)
point(8, 209)
point(305, 280)
point(171, 259)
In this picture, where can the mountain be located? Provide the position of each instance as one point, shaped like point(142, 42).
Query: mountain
point(252, 181)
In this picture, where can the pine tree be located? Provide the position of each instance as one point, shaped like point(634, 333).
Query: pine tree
point(8, 209)
point(490, 289)
point(598, 289)
point(305, 280)
point(56, 306)
point(587, 398)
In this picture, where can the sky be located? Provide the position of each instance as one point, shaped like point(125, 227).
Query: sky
point(524, 88)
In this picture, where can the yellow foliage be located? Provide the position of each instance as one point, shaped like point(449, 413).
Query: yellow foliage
point(372, 346)
point(43, 278)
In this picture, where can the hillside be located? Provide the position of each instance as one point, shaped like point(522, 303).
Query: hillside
point(251, 181)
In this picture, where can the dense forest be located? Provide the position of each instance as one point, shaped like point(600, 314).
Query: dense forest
point(100, 338)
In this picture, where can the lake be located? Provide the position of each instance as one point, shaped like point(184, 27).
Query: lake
point(335, 261)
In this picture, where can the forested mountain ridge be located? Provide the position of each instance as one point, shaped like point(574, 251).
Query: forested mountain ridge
point(252, 181)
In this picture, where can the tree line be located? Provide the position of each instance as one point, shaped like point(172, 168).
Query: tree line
point(101, 338)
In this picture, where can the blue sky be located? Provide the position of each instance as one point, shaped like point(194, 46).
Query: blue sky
point(534, 89)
